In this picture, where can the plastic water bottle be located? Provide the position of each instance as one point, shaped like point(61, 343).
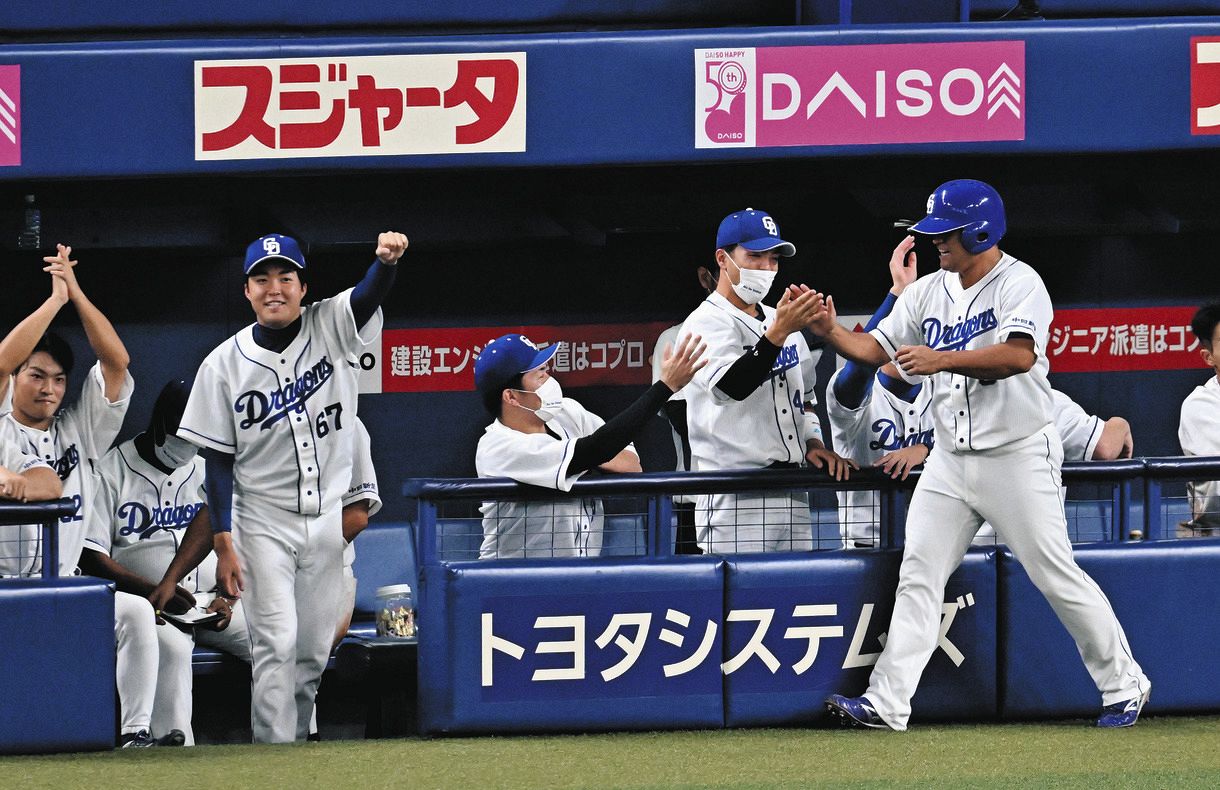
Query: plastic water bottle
point(30, 237)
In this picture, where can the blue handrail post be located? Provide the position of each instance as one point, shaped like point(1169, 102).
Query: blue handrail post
point(661, 526)
point(50, 549)
point(427, 532)
point(890, 533)
point(1152, 508)
point(1122, 509)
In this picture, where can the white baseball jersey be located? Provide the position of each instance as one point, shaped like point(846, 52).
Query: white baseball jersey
point(11, 543)
point(140, 515)
point(364, 482)
point(969, 413)
point(1199, 434)
point(13, 459)
point(773, 423)
point(80, 433)
point(286, 416)
point(559, 528)
point(1079, 431)
point(881, 424)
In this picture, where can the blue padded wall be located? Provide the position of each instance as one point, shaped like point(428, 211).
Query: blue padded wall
point(860, 588)
point(1164, 594)
point(57, 655)
point(466, 686)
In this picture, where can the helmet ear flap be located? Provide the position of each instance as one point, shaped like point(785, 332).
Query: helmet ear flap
point(976, 238)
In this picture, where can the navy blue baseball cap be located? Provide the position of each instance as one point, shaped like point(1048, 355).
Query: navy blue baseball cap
point(505, 357)
point(754, 230)
point(273, 246)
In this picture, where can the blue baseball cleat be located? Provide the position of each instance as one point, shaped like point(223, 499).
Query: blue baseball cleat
point(1123, 714)
point(855, 712)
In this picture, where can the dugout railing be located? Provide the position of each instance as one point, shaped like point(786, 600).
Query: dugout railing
point(47, 514)
point(1109, 501)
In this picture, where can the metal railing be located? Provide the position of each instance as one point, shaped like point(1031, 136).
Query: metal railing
point(1129, 499)
point(46, 514)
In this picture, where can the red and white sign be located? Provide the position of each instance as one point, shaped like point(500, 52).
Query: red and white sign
point(380, 105)
point(442, 360)
point(860, 94)
point(1123, 338)
point(10, 115)
point(1205, 85)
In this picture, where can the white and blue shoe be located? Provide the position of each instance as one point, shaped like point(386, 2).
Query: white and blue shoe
point(855, 712)
point(1123, 714)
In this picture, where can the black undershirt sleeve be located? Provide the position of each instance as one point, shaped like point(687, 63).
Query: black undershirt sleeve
point(750, 370)
point(603, 444)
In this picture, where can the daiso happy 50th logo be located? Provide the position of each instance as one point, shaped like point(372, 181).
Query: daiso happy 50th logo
point(860, 94)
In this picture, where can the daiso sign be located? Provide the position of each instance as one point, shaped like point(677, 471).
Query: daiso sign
point(860, 94)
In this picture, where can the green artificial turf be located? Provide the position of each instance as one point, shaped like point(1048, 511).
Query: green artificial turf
point(1161, 752)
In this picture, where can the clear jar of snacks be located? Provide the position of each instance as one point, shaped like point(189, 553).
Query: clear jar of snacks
point(396, 618)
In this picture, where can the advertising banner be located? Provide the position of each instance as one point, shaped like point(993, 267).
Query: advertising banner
point(442, 359)
point(860, 94)
point(378, 105)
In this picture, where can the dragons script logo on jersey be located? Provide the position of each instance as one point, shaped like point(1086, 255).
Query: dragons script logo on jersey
point(270, 407)
point(954, 337)
point(66, 463)
point(890, 437)
point(145, 522)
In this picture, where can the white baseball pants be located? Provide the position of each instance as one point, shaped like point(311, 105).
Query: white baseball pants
point(293, 569)
point(753, 522)
point(135, 663)
point(1017, 489)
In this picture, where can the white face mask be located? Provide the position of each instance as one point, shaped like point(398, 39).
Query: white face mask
point(551, 395)
point(175, 452)
point(752, 284)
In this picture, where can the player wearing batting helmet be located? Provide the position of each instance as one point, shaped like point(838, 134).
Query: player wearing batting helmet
point(978, 327)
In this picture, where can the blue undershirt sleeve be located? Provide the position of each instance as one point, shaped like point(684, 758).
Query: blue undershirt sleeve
point(370, 292)
point(219, 487)
point(855, 381)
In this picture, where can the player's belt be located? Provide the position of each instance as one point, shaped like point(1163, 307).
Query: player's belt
point(783, 465)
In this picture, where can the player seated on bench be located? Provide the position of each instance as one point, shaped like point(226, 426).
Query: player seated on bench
point(542, 438)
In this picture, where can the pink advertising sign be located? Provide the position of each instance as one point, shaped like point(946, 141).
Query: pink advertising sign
point(860, 94)
point(10, 115)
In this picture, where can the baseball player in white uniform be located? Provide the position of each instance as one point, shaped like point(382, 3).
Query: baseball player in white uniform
point(279, 399)
point(1199, 426)
point(149, 489)
point(752, 405)
point(35, 364)
point(979, 326)
point(541, 438)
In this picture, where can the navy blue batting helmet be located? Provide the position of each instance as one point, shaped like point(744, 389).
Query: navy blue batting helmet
point(970, 206)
